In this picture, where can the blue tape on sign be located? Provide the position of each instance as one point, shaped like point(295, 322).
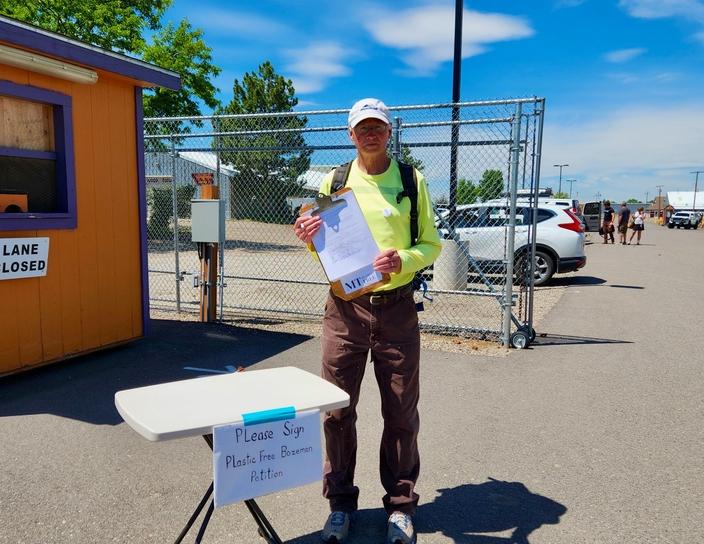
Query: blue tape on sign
point(265, 416)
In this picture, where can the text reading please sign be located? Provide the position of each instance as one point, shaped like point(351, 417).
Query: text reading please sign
point(23, 257)
point(253, 459)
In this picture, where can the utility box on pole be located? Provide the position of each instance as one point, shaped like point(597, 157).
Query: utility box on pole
point(207, 220)
point(208, 231)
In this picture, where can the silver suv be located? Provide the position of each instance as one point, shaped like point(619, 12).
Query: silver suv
point(688, 220)
point(559, 236)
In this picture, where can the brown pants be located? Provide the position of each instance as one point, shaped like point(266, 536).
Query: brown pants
point(388, 326)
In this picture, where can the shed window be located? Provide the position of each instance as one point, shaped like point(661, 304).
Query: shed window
point(37, 186)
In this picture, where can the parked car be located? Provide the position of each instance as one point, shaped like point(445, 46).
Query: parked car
point(688, 220)
point(570, 203)
point(559, 236)
point(592, 215)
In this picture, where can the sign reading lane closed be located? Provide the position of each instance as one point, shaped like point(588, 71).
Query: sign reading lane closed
point(23, 257)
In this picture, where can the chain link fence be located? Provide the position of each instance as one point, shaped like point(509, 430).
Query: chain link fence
point(268, 165)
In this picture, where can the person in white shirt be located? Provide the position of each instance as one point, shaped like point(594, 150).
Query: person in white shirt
point(638, 225)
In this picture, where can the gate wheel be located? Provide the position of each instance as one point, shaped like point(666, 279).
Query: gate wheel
point(520, 339)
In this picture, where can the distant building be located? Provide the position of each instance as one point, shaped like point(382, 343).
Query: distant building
point(686, 201)
point(312, 178)
point(310, 181)
point(160, 168)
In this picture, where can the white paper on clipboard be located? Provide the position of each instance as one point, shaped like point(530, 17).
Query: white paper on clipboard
point(344, 242)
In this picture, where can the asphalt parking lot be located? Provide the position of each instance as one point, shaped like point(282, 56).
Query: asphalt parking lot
point(593, 435)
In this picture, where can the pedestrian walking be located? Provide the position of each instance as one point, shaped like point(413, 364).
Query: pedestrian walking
point(624, 216)
point(384, 322)
point(638, 225)
point(607, 223)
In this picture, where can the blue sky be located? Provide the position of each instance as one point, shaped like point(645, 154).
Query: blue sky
point(623, 79)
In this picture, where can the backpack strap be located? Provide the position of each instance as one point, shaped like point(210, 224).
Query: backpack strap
point(410, 189)
point(339, 178)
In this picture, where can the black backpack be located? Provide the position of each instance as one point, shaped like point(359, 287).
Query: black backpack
point(410, 189)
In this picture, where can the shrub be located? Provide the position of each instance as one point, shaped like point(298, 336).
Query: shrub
point(160, 206)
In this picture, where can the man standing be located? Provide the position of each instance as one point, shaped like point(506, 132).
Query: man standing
point(624, 215)
point(385, 322)
point(607, 223)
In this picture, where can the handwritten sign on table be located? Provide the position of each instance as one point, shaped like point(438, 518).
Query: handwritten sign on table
point(255, 459)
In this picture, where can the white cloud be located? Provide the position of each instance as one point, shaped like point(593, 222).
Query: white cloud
point(426, 33)
point(660, 9)
point(667, 76)
point(569, 3)
point(250, 25)
point(624, 78)
point(312, 66)
point(624, 55)
point(627, 152)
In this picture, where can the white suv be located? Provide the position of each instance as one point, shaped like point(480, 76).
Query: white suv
point(688, 220)
point(559, 236)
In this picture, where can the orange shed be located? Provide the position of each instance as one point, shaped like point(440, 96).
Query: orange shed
point(73, 262)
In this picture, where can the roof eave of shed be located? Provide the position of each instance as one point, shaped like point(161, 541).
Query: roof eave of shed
point(50, 43)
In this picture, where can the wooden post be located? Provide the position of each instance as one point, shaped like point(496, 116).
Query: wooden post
point(209, 256)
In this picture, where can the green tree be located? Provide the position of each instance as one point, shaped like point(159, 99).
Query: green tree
point(111, 24)
point(467, 192)
point(408, 158)
point(561, 194)
point(182, 50)
point(268, 152)
point(491, 185)
point(632, 201)
point(160, 205)
point(121, 25)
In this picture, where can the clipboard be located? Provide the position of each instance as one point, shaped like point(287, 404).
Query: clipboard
point(344, 245)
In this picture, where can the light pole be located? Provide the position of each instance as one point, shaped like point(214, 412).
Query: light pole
point(560, 166)
point(570, 181)
point(696, 183)
point(455, 128)
point(659, 187)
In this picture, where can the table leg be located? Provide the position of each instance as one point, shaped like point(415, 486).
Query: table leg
point(206, 519)
point(266, 531)
point(195, 515)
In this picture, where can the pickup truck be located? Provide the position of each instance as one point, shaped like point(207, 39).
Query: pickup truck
point(688, 220)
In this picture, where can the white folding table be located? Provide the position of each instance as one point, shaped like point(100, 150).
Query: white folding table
point(193, 407)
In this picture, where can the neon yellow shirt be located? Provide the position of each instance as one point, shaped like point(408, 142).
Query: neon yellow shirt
point(390, 223)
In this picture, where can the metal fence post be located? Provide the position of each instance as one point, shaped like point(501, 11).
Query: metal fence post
point(396, 136)
point(513, 189)
point(216, 127)
point(174, 202)
point(537, 153)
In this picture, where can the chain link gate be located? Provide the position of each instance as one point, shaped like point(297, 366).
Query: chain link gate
point(268, 165)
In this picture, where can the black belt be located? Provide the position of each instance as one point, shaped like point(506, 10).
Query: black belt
point(384, 297)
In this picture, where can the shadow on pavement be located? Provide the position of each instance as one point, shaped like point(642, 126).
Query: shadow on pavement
point(467, 514)
point(627, 286)
point(575, 280)
point(547, 339)
point(84, 388)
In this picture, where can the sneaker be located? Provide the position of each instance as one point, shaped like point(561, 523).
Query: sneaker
point(336, 528)
point(400, 529)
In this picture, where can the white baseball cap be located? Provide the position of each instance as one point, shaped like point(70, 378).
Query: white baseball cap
point(368, 108)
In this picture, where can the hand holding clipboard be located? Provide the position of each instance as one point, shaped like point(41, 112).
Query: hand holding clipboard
point(338, 231)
